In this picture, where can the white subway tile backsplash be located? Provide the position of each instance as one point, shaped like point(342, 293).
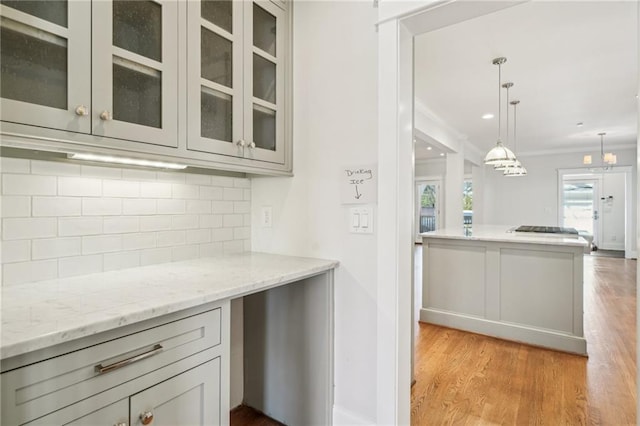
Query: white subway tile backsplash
point(16, 251)
point(222, 234)
point(79, 186)
point(171, 238)
point(155, 190)
point(61, 219)
point(198, 179)
point(198, 236)
point(211, 221)
point(198, 206)
point(185, 253)
point(233, 194)
point(54, 168)
point(57, 206)
point(184, 222)
point(140, 206)
point(143, 240)
point(211, 249)
point(16, 206)
point(241, 207)
point(121, 224)
point(211, 193)
point(13, 184)
point(79, 226)
point(222, 207)
point(16, 165)
point(242, 183)
point(51, 248)
point(241, 233)
point(154, 256)
point(101, 244)
point(101, 172)
point(155, 223)
point(26, 272)
point(120, 188)
point(138, 174)
point(232, 220)
point(171, 206)
point(79, 265)
point(101, 206)
point(28, 228)
point(185, 191)
point(126, 259)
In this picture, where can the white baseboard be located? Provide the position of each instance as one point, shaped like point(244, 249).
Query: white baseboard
point(631, 254)
point(344, 417)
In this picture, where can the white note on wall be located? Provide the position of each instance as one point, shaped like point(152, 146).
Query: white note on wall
point(359, 184)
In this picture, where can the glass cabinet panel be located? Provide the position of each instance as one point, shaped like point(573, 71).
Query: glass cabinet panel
point(264, 30)
point(216, 58)
point(217, 115)
point(264, 79)
point(137, 27)
point(33, 65)
point(54, 11)
point(264, 128)
point(137, 94)
point(218, 12)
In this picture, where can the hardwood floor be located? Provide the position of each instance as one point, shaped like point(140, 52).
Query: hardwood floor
point(468, 379)
point(246, 416)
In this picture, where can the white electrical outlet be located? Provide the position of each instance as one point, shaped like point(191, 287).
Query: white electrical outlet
point(266, 217)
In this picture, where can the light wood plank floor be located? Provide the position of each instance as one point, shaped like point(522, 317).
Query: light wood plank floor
point(468, 379)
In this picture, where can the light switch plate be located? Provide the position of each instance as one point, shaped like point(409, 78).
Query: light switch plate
point(361, 220)
point(266, 217)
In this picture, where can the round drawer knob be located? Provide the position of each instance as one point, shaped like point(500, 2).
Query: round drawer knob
point(82, 110)
point(240, 142)
point(252, 144)
point(106, 116)
point(146, 418)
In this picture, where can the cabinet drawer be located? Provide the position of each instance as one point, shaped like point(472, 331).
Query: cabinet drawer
point(41, 388)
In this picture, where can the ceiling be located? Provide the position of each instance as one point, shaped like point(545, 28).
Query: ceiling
point(570, 62)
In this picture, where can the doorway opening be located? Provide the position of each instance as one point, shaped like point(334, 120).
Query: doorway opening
point(427, 206)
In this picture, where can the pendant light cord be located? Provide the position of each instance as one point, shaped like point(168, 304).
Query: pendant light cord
point(499, 102)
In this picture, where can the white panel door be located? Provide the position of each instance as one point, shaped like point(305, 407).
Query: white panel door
point(114, 414)
point(45, 62)
point(189, 399)
point(135, 70)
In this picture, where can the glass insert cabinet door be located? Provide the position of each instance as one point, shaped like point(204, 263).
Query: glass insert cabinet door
point(236, 78)
point(135, 78)
point(45, 64)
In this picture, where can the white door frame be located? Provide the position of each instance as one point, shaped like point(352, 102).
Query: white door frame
point(399, 23)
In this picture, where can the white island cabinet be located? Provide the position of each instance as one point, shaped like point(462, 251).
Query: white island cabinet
point(151, 345)
point(524, 287)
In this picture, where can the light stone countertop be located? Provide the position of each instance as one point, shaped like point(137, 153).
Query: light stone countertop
point(506, 234)
point(42, 314)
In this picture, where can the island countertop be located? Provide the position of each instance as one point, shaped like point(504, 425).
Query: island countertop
point(506, 234)
point(45, 313)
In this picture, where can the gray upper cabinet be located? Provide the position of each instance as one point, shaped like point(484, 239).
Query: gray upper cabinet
point(45, 64)
point(236, 79)
point(200, 82)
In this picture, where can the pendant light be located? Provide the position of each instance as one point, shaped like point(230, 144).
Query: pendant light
point(503, 166)
point(499, 154)
point(517, 169)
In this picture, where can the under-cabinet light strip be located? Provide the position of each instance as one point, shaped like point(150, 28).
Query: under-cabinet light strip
point(127, 161)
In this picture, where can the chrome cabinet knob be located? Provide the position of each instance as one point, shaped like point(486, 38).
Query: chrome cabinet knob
point(146, 418)
point(106, 116)
point(240, 142)
point(120, 424)
point(82, 110)
point(252, 144)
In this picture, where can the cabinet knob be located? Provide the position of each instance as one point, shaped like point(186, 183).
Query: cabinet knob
point(120, 424)
point(82, 110)
point(106, 116)
point(146, 418)
point(252, 144)
point(240, 142)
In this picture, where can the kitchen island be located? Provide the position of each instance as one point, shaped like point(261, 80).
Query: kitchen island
point(519, 286)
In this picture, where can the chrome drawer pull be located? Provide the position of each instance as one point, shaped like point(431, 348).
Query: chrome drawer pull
point(156, 350)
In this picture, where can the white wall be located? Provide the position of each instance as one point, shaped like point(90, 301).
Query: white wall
point(533, 199)
point(335, 110)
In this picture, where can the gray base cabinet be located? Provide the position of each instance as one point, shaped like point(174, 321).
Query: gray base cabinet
point(171, 370)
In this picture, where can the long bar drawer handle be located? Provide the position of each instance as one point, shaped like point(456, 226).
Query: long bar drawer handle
point(105, 369)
